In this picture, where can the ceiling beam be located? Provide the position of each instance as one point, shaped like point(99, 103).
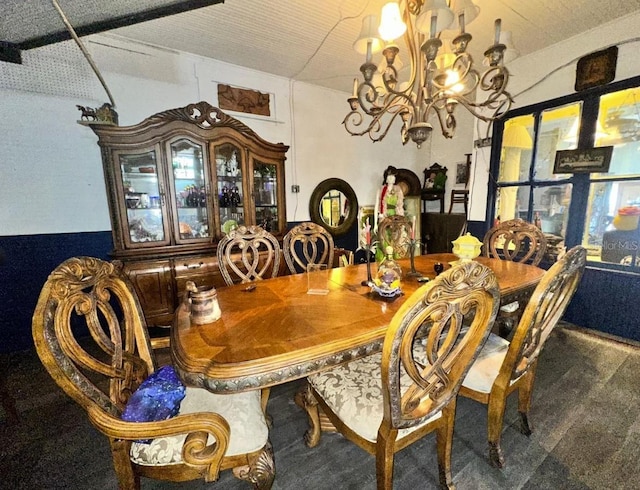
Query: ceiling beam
point(115, 23)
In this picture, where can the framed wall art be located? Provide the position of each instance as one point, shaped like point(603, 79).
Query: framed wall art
point(596, 69)
point(583, 161)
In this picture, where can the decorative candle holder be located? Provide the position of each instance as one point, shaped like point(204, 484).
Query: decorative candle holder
point(412, 255)
point(368, 249)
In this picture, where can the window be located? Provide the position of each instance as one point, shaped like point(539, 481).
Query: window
point(612, 233)
point(527, 186)
point(598, 210)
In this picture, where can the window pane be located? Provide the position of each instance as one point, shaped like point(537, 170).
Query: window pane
point(515, 156)
point(612, 235)
point(512, 202)
point(558, 131)
point(551, 206)
point(619, 120)
point(192, 201)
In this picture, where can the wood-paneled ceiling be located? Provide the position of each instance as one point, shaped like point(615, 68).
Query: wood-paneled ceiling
point(300, 39)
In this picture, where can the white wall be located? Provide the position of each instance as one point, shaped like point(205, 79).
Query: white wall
point(51, 177)
point(550, 73)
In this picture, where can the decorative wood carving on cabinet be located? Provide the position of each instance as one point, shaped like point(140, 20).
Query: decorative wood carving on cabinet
point(176, 182)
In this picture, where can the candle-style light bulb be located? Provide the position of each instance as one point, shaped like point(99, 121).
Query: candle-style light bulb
point(497, 25)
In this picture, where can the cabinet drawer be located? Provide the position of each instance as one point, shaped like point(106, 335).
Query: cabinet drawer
point(190, 266)
point(203, 271)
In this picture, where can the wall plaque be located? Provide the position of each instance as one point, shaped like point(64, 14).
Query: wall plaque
point(596, 69)
point(243, 100)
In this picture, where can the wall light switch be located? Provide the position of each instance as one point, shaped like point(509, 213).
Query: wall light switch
point(295, 189)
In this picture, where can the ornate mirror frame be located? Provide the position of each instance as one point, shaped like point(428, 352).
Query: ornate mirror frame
point(316, 198)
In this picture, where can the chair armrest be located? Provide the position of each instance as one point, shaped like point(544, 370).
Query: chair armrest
point(197, 425)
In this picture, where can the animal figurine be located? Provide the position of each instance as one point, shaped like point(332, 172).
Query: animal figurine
point(87, 113)
point(104, 114)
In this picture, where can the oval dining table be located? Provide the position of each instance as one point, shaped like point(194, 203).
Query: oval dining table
point(275, 332)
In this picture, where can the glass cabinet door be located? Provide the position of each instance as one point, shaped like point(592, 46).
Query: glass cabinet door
point(142, 194)
point(228, 158)
point(191, 193)
point(265, 186)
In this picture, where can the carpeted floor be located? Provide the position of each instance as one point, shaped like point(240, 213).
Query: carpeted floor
point(586, 417)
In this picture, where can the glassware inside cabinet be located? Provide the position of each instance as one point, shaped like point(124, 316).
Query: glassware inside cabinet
point(142, 196)
point(229, 186)
point(266, 194)
point(191, 192)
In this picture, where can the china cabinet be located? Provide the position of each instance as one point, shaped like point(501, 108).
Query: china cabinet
point(176, 182)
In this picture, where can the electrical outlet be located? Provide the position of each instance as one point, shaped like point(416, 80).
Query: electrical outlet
point(295, 189)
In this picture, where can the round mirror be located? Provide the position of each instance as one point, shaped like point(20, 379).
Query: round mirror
point(334, 205)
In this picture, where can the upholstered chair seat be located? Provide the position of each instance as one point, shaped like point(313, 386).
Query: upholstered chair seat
point(354, 393)
point(243, 412)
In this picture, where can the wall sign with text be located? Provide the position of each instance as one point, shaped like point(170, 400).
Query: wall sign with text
point(583, 161)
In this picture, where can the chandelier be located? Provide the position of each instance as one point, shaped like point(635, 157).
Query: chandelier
point(440, 80)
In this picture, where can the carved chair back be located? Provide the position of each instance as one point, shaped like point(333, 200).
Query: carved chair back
point(436, 363)
point(515, 240)
point(395, 231)
point(89, 293)
point(435, 177)
point(542, 313)
point(307, 243)
point(248, 254)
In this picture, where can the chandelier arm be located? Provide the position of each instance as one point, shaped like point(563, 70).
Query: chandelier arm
point(446, 120)
point(375, 127)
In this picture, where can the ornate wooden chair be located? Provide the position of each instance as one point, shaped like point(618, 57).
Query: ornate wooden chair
point(515, 240)
point(504, 367)
point(307, 243)
point(102, 369)
point(389, 400)
point(518, 241)
point(247, 254)
point(395, 231)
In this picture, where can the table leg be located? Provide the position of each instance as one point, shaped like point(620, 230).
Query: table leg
point(305, 400)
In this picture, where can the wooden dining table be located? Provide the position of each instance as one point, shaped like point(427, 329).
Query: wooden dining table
point(275, 332)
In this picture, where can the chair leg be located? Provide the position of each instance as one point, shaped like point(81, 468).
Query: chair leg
point(495, 420)
point(305, 400)
point(444, 442)
point(384, 459)
point(524, 402)
point(127, 477)
point(261, 471)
